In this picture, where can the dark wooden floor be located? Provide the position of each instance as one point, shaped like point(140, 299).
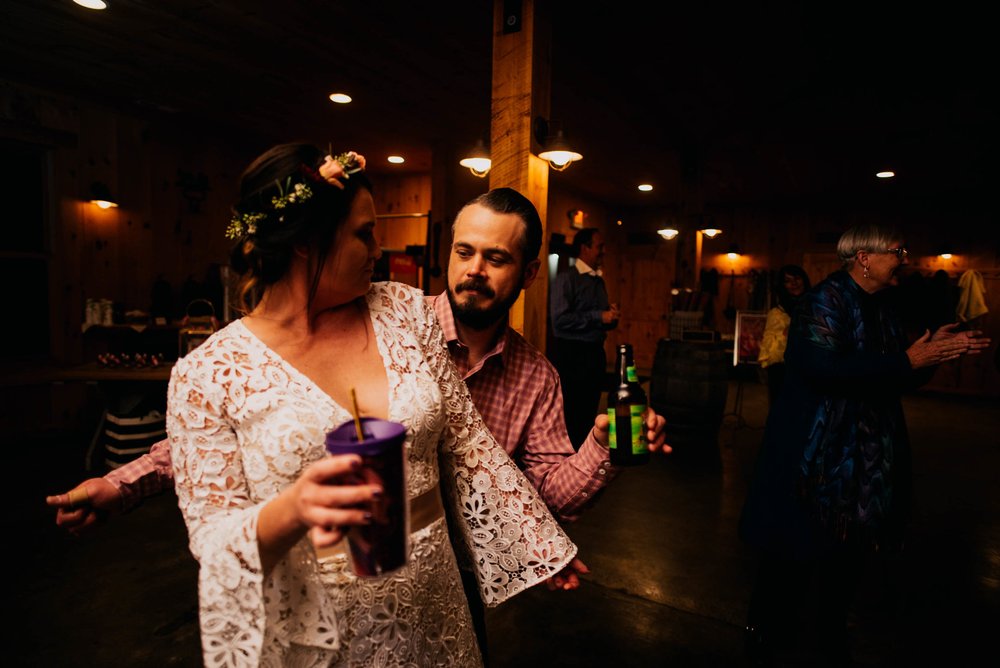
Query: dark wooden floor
point(669, 580)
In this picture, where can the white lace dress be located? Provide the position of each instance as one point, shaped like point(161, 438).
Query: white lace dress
point(243, 424)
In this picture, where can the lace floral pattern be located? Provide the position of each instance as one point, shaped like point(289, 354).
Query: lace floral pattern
point(243, 424)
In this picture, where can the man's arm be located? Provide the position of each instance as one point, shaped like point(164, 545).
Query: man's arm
point(92, 501)
point(569, 480)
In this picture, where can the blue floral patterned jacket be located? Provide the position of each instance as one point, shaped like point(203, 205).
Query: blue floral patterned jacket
point(848, 349)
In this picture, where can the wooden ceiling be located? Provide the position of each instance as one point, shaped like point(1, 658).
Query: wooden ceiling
point(717, 105)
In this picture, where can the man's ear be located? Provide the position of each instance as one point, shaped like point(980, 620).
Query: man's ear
point(531, 273)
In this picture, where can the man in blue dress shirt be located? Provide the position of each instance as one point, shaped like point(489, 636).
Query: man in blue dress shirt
point(581, 316)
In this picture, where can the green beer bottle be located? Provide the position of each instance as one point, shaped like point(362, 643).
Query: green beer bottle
point(626, 413)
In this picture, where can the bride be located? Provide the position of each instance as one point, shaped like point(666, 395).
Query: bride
point(266, 508)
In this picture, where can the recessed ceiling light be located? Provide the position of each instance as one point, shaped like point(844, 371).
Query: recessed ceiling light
point(645, 187)
point(887, 174)
point(396, 159)
point(92, 4)
point(340, 98)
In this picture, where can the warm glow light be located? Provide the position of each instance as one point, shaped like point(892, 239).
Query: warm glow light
point(887, 174)
point(478, 161)
point(945, 256)
point(396, 159)
point(478, 166)
point(340, 98)
point(92, 4)
point(645, 187)
point(558, 153)
point(103, 203)
point(733, 256)
point(711, 232)
point(667, 233)
point(619, 223)
point(559, 160)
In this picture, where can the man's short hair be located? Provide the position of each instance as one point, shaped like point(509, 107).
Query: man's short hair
point(583, 238)
point(508, 200)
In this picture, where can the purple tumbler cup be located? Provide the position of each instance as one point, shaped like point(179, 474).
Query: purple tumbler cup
point(382, 546)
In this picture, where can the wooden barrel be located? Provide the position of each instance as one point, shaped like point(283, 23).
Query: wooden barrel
point(689, 388)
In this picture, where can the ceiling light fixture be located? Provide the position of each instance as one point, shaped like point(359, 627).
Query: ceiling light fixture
point(711, 232)
point(885, 174)
point(396, 159)
point(645, 187)
point(555, 150)
point(668, 233)
point(478, 161)
point(92, 4)
point(558, 153)
point(734, 252)
point(341, 98)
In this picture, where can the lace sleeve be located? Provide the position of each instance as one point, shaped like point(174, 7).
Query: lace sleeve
point(511, 537)
point(222, 525)
point(235, 599)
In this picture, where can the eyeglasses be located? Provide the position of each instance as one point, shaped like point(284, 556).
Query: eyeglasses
point(900, 252)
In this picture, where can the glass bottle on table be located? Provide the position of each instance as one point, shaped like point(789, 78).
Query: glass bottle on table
point(627, 405)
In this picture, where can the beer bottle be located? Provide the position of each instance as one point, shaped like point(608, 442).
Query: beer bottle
point(627, 413)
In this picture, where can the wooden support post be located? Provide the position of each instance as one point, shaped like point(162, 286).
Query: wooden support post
point(521, 64)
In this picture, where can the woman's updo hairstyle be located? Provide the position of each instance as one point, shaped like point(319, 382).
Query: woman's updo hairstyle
point(263, 256)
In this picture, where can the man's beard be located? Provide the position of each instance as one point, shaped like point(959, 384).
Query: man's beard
point(476, 317)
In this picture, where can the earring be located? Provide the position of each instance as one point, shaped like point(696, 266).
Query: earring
point(866, 271)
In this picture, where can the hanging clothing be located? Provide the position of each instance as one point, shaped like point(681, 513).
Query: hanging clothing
point(972, 298)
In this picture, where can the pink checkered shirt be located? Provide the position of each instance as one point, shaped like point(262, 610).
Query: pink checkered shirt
point(145, 476)
point(516, 390)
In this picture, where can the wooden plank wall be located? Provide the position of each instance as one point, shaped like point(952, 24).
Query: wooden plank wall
point(176, 185)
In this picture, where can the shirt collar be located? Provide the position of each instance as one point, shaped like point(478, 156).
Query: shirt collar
point(442, 309)
point(585, 268)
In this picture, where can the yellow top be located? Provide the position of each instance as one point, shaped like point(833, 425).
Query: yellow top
point(772, 344)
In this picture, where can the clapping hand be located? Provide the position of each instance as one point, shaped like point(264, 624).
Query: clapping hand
point(945, 345)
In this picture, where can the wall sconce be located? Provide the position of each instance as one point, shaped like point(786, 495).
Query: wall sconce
point(556, 151)
point(668, 233)
point(944, 249)
point(478, 161)
point(100, 195)
point(577, 218)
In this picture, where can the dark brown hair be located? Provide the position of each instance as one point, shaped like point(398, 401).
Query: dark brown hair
point(263, 258)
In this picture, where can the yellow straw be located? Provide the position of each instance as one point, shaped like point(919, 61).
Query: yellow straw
point(357, 418)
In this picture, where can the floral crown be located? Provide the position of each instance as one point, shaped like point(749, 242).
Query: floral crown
point(333, 169)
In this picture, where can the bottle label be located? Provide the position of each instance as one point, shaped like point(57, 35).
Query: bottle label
point(638, 446)
point(633, 377)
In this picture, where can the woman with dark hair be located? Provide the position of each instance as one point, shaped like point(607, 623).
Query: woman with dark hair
point(788, 289)
point(831, 489)
point(247, 416)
